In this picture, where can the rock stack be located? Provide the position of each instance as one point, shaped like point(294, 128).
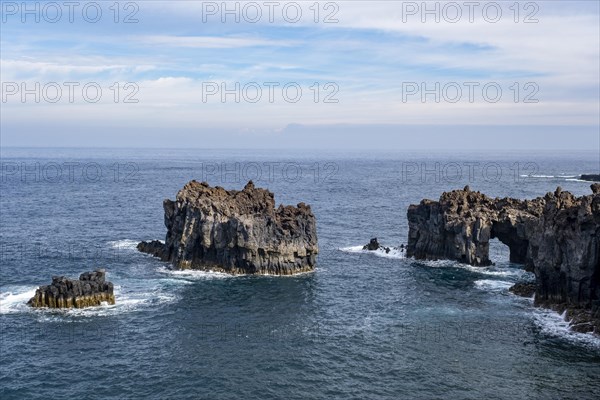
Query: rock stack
point(90, 290)
point(237, 232)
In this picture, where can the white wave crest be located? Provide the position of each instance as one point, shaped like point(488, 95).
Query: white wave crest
point(554, 324)
point(494, 285)
point(124, 244)
point(193, 274)
point(15, 299)
point(550, 176)
point(491, 271)
point(577, 180)
point(393, 253)
point(538, 176)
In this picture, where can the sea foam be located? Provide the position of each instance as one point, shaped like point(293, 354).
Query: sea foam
point(124, 244)
point(554, 325)
point(494, 285)
point(393, 253)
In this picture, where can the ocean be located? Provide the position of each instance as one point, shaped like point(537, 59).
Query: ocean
point(363, 325)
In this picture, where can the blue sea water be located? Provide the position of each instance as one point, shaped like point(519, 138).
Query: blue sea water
point(361, 326)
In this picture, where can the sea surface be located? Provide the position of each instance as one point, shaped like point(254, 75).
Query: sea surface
point(363, 325)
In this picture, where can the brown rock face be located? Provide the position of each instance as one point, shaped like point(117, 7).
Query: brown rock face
point(238, 232)
point(556, 236)
point(155, 248)
point(90, 290)
point(523, 289)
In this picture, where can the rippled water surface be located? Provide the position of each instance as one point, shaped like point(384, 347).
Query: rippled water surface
point(363, 325)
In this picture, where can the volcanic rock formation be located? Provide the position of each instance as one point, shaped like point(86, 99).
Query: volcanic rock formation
point(556, 236)
point(238, 232)
point(590, 177)
point(90, 290)
point(374, 245)
point(523, 289)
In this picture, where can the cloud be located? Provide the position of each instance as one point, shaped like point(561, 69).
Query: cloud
point(208, 42)
point(369, 53)
point(17, 69)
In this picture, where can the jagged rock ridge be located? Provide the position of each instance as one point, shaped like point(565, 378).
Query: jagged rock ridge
point(556, 236)
point(90, 290)
point(238, 232)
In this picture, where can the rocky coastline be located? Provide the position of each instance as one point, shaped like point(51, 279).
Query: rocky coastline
point(90, 290)
point(237, 232)
point(557, 237)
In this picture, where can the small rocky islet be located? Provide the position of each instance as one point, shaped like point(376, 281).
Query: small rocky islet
point(374, 245)
point(90, 290)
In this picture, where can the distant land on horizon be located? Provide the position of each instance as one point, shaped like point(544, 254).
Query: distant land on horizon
point(326, 137)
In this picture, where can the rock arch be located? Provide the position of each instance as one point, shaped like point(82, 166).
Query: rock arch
point(556, 236)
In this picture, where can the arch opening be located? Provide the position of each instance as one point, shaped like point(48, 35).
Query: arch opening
point(514, 238)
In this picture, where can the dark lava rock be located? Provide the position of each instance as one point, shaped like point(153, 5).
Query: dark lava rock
point(155, 248)
point(556, 236)
point(523, 289)
point(373, 245)
point(238, 232)
point(590, 177)
point(90, 290)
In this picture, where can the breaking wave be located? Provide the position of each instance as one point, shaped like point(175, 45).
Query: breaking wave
point(554, 325)
point(124, 244)
point(393, 253)
point(491, 284)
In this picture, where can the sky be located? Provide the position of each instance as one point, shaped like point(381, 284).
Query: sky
point(304, 74)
